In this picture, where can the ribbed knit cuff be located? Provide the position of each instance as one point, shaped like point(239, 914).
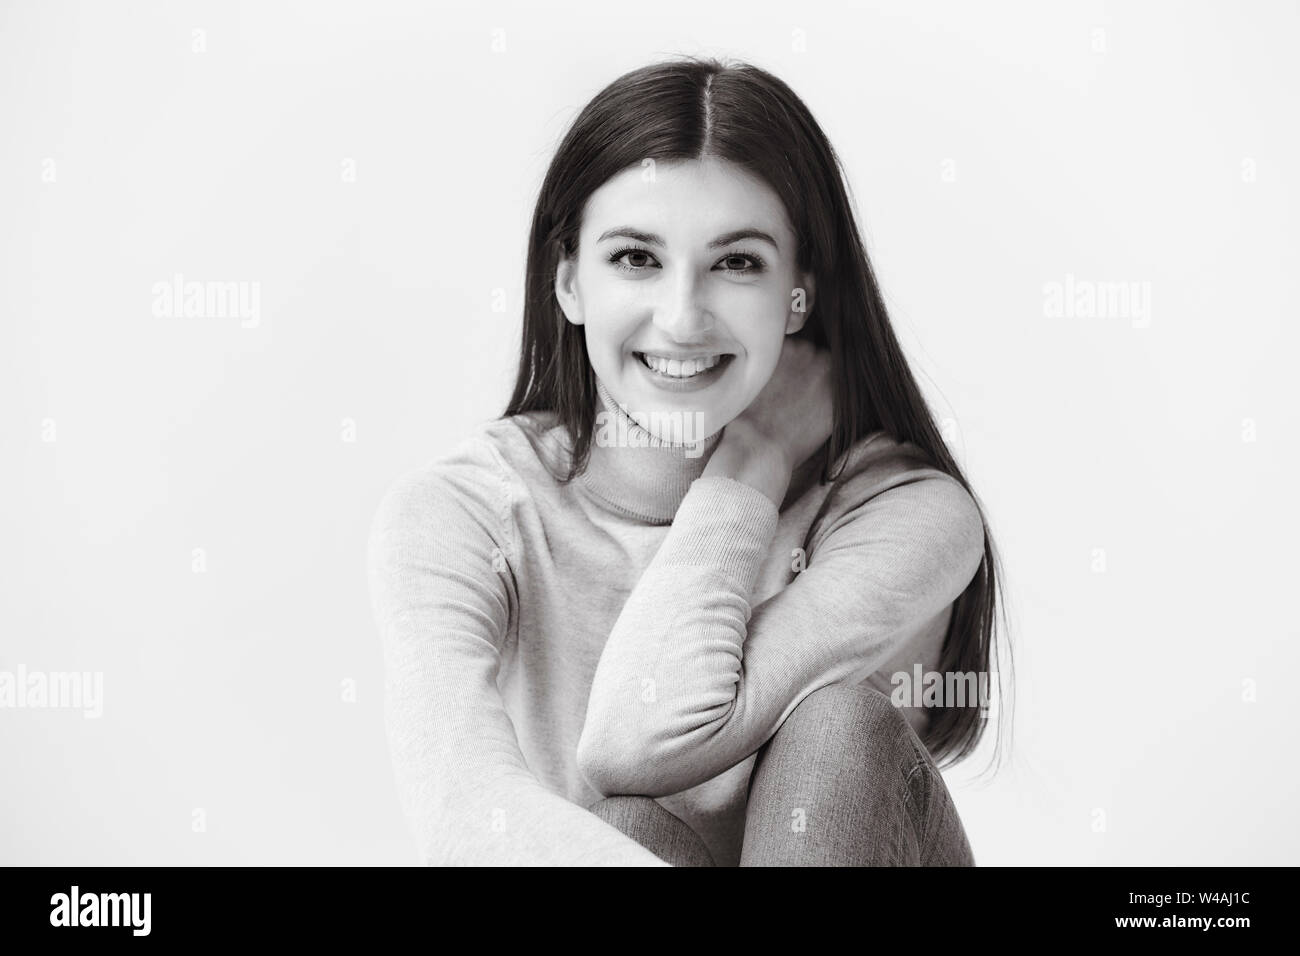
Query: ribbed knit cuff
point(722, 524)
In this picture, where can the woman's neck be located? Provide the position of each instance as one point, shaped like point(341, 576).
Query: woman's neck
point(636, 472)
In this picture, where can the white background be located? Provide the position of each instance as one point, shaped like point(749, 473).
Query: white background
point(992, 149)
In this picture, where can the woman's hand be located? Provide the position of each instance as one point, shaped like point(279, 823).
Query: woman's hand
point(789, 420)
point(795, 410)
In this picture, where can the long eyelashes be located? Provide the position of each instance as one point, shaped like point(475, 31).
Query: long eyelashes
point(758, 265)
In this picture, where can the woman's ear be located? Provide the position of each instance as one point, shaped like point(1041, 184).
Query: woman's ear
point(801, 304)
point(566, 290)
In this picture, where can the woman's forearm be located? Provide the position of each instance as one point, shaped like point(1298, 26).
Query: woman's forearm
point(660, 717)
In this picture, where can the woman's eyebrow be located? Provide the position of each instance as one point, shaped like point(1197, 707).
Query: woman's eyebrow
point(652, 239)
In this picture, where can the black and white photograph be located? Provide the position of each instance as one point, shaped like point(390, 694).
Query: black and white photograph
point(567, 435)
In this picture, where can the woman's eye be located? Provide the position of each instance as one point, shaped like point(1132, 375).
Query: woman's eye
point(636, 259)
point(738, 263)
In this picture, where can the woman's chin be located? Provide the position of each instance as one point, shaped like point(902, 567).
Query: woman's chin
point(676, 426)
point(676, 418)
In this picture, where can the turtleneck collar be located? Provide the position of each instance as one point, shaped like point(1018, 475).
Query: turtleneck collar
point(642, 476)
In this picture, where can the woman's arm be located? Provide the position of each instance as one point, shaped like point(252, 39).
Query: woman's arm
point(442, 606)
point(693, 679)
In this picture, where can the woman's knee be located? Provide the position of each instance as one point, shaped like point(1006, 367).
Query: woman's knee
point(656, 828)
point(858, 710)
point(847, 725)
point(627, 808)
point(866, 784)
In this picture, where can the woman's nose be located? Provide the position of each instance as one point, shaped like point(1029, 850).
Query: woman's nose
point(681, 314)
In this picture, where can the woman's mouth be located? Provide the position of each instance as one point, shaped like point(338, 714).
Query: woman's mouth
point(683, 374)
point(682, 368)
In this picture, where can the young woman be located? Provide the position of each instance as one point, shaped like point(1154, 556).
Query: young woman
point(657, 612)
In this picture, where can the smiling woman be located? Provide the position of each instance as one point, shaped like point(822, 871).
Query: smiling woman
point(674, 640)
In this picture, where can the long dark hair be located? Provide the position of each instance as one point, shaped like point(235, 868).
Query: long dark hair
point(690, 108)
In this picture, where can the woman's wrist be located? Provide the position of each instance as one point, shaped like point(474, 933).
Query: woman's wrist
point(746, 455)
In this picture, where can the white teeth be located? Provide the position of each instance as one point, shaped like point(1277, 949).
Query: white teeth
point(677, 368)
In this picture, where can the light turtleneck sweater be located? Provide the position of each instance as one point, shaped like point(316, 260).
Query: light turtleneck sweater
point(641, 629)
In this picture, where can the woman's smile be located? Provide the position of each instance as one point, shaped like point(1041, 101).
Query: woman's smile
point(680, 372)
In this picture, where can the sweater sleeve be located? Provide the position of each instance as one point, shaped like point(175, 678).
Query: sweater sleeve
point(441, 590)
point(692, 680)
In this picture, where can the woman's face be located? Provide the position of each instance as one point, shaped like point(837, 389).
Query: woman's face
point(686, 286)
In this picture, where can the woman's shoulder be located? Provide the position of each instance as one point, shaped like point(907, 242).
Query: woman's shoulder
point(881, 473)
point(879, 456)
point(477, 471)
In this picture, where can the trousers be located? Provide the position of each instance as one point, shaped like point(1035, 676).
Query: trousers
point(845, 781)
